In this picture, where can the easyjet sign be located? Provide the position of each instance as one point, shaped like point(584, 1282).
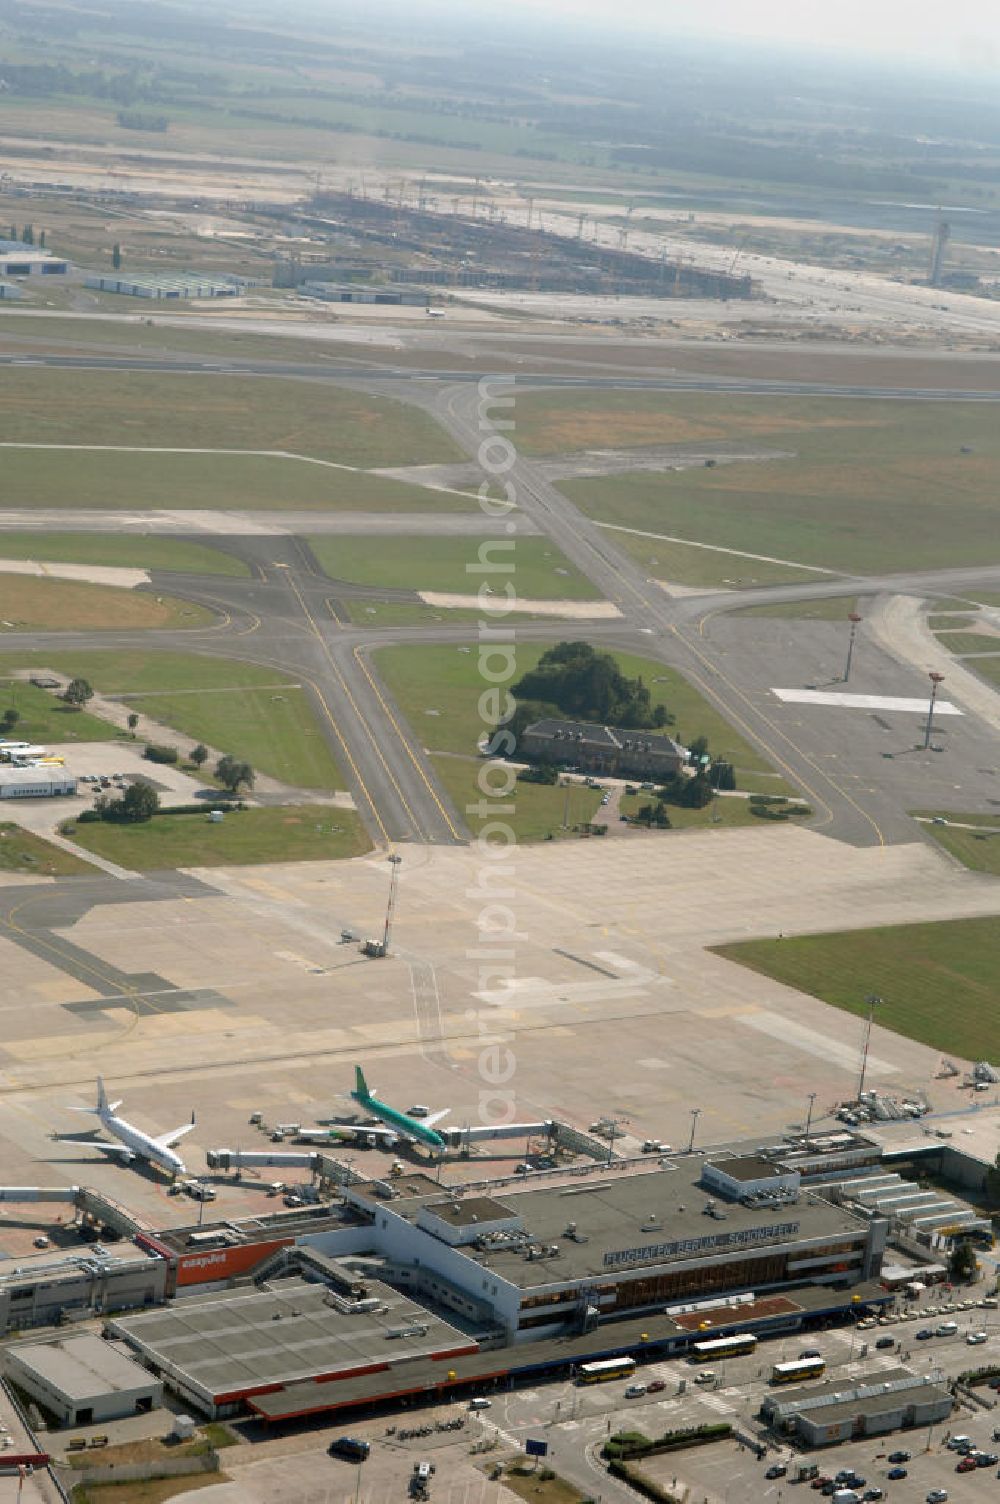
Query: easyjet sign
point(225, 1263)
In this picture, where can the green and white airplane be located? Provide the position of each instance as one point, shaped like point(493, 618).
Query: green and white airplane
point(421, 1131)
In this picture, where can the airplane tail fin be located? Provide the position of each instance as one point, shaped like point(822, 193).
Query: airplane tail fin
point(103, 1105)
point(360, 1084)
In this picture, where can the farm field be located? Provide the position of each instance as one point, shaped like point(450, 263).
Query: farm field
point(977, 850)
point(141, 551)
point(870, 486)
point(255, 713)
point(539, 808)
point(540, 571)
point(215, 412)
point(24, 852)
point(438, 689)
point(283, 833)
point(937, 981)
point(28, 603)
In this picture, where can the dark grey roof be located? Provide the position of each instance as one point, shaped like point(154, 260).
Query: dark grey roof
point(614, 738)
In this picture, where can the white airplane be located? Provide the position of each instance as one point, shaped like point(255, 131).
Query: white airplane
point(132, 1142)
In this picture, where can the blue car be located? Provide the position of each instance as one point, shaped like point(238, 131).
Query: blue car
point(896, 1472)
point(924, 1333)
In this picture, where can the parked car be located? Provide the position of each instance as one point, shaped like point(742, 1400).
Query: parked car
point(924, 1333)
point(776, 1470)
point(938, 1496)
point(895, 1473)
point(635, 1391)
point(656, 1387)
point(885, 1342)
point(899, 1456)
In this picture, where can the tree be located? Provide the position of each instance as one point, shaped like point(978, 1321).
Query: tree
point(232, 773)
point(722, 775)
point(139, 803)
point(133, 722)
point(41, 241)
point(11, 718)
point(587, 685)
point(77, 692)
point(698, 748)
point(199, 755)
point(962, 1261)
point(28, 236)
point(116, 256)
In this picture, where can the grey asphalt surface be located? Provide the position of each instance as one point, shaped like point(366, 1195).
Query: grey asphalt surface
point(356, 372)
point(286, 617)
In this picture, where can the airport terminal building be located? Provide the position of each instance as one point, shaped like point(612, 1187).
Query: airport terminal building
point(415, 1290)
point(549, 1259)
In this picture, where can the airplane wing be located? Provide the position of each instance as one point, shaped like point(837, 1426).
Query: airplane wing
point(89, 1141)
point(168, 1140)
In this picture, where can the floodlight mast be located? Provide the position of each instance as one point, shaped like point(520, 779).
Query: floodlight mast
point(394, 862)
point(873, 1001)
point(855, 621)
point(935, 679)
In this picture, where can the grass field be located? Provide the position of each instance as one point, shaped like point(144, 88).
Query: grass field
point(255, 713)
point(988, 668)
point(685, 565)
point(22, 851)
point(287, 833)
point(977, 850)
point(215, 412)
point(152, 1491)
point(937, 981)
point(35, 604)
point(372, 613)
point(830, 608)
point(45, 719)
point(539, 570)
point(447, 681)
point(539, 808)
point(871, 485)
point(969, 642)
point(726, 814)
point(142, 551)
point(205, 482)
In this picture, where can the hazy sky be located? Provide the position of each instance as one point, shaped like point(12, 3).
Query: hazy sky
point(962, 32)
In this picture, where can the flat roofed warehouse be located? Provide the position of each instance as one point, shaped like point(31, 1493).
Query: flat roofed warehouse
point(82, 1379)
point(218, 1350)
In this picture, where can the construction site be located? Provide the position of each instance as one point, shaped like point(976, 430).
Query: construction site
point(478, 246)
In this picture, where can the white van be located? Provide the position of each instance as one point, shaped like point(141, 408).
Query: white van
point(480, 1403)
point(946, 1329)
